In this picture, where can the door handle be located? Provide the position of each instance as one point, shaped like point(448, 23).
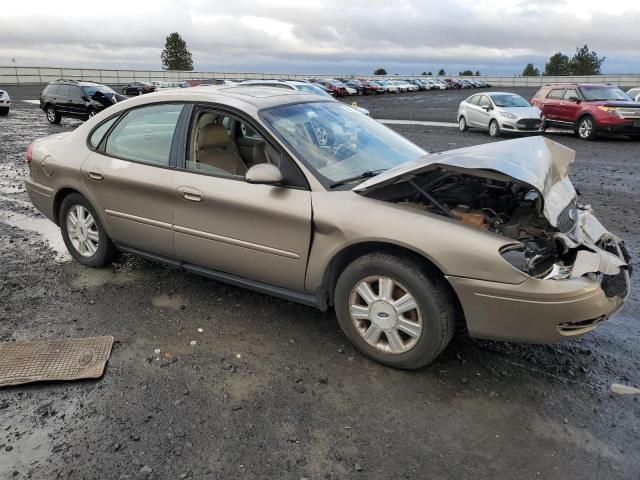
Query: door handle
point(191, 194)
point(96, 175)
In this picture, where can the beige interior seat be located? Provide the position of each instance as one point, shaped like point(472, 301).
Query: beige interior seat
point(214, 149)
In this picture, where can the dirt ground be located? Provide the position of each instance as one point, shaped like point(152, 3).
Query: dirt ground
point(272, 390)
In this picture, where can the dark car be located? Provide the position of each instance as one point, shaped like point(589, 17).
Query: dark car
point(138, 88)
point(359, 87)
point(588, 109)
point(76, 99)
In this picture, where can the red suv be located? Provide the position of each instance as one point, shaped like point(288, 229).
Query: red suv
point(588, 109)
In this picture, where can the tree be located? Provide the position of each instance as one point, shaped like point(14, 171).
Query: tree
point(380, 71)
point(585, 62)
point(530, 71)
point(442, 72)
point(466, 73)
point(176, 55)
point(558, 64)
point(430, 74)
point(477, 73)
point(424, 74)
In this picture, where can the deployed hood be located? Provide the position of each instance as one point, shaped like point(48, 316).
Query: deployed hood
point(536, 161)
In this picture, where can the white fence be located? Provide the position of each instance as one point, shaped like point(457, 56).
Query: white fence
point(12, 75)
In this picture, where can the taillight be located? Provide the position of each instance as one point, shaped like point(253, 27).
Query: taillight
point(30, 153)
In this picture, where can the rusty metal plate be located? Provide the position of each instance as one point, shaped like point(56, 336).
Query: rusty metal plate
point(51, 360)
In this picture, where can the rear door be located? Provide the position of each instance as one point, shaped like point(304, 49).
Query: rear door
point(129, 175)
point(550, 105)
point(75, 102)
point(62, 99)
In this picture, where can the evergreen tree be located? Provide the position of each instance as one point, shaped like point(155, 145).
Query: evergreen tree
point(530, 71)
point(176, 55)
point(442, 72)
point(585, 62)
point(380, 71)
point(558, 64)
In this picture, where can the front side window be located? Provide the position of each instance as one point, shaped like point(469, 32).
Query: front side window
point(474, 100)
point(336, 141)
point(571, 93)
point(484, 101)
point(74, 92)
point(145, 134)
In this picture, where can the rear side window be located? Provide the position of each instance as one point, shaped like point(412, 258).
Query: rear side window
point(99, 132)
point(474, 100)
point(556, 94)
point(145, 134)
point(63, 90)
point(52, 89)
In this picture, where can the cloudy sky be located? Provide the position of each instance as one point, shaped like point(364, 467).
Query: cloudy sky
point(321, 36)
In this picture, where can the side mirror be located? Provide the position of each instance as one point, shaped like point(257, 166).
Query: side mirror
point(574, 99)
point(486, 108)
point(265, 174)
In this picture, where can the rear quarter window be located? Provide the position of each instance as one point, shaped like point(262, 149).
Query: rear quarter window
point(556, 94)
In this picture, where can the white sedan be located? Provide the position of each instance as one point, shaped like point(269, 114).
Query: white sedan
point(5, 103)
point(499, 112)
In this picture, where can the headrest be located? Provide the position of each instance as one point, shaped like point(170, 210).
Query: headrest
point(214, 135)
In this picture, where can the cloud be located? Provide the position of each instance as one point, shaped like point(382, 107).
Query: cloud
point(321, 36)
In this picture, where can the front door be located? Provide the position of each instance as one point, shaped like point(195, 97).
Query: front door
point(260, 232)
point(130, 177)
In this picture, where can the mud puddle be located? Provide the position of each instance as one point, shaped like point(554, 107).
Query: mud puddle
point(44, 227)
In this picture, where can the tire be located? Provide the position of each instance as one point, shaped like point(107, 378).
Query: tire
point(434, 310)
point(53, 116)
point(105, 251)
point(462, 124)
point(494, 129)
point(586, 128)
point(4, 112)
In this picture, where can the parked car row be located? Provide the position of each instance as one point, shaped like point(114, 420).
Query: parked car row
point(587, 109)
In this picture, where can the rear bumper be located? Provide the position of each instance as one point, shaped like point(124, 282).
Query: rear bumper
point(535, 311)
point(42, 197)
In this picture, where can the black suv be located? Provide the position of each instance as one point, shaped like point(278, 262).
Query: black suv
point(76, 99)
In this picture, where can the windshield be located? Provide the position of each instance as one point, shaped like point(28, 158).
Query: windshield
point(337, 142)
point(89, 91)
point(604, 93)
point(508, 101)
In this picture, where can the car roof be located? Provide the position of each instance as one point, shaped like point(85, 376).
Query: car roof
point(256, 95)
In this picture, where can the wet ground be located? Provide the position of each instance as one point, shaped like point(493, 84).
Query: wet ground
point(272, 389)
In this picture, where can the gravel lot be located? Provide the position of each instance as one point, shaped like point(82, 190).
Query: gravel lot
point(272, 390)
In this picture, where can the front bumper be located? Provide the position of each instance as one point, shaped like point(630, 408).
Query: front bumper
point(520, 126)
point(535, 311)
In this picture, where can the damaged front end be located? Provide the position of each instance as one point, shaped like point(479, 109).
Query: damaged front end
point(520, 190)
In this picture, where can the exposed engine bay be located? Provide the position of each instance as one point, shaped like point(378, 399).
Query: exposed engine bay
point(577, 245)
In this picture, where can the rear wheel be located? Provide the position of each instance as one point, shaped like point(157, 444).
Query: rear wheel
point(52, 114)
point(462, 124)
point(494, 129)
point(586, 128)
point(83, 234)
point(394, 310)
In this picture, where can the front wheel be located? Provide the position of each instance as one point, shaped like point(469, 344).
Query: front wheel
point(394, 311)
point(494, 129)
point(4, 112)
point(586, 129)
point(83, 234)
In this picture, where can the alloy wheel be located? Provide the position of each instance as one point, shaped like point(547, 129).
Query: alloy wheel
point(462, 124)
point(385, 314)
point(586, 128)
point(51, 114)
point(493, 129)
point(82, 230)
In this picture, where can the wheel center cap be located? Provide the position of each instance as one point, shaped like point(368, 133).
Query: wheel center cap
point(383, 315)
point(81, 232)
